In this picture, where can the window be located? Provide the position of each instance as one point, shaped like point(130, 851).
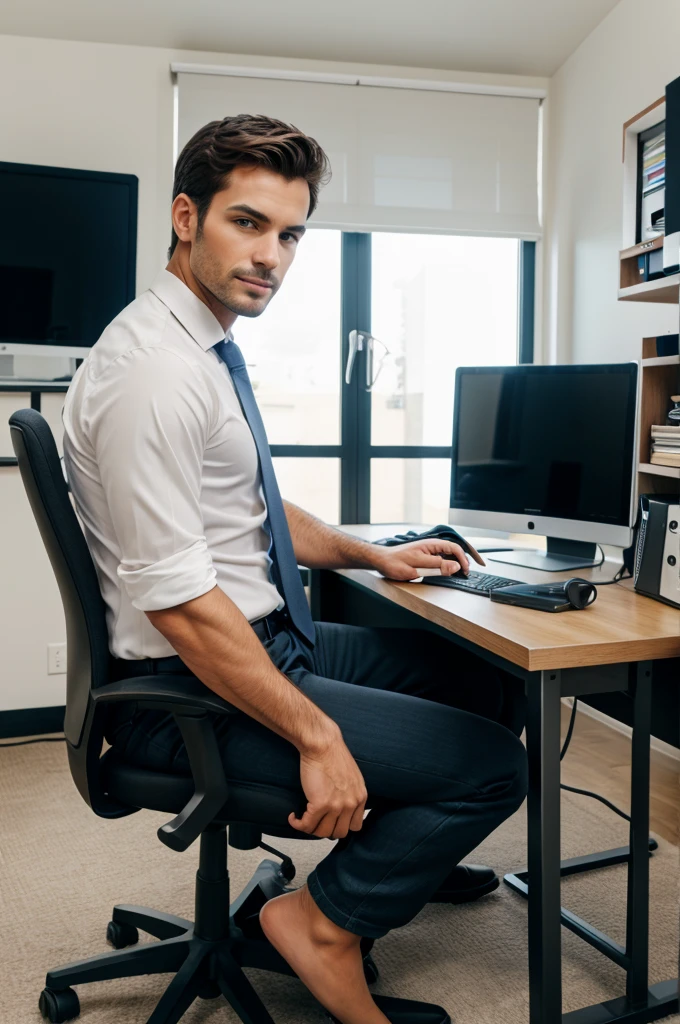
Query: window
point(437, 302)
point(377, 447)
point(292, 349)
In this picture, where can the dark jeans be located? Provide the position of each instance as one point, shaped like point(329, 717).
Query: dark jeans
point(422, 718)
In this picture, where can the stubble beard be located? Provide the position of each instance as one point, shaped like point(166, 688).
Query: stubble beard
point(227, 291)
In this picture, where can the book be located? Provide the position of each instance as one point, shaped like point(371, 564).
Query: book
point(664, 459)
point(669, 447)
point(659, 430)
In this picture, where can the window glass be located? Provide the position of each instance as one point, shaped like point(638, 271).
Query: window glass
point(438, 302)
point(313, 484)
point(293, 349)
point(410, 490)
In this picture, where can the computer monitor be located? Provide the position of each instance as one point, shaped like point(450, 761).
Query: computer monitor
point(67, 258)
point(547, 450)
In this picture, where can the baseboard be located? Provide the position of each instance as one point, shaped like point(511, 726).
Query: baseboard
point(31, 721)
point(613, 723)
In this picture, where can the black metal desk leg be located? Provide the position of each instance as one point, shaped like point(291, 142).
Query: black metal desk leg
point(637, 923)
point(545, 939)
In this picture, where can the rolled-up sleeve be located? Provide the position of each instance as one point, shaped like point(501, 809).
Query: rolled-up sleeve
point(150, 418)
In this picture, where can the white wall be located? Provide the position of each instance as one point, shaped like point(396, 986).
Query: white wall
point(98, 107)
point(621, 68)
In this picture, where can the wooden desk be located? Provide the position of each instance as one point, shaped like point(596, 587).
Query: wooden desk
point(604, 648)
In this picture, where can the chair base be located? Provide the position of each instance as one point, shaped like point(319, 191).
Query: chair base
point(206, 958)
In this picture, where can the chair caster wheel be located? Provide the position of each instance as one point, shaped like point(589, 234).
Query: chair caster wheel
point(209, 989)
point(121, 935)
point(371, 972)
point(59, 1006)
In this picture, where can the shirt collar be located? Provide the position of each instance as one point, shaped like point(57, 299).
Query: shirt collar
point(192, 313)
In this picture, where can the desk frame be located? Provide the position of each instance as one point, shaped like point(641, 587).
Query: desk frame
point(334, 599)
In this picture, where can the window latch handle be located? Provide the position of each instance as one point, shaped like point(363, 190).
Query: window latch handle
point(356, 344)
point(371, 376)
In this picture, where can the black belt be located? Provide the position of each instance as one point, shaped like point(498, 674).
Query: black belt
point(265, 629)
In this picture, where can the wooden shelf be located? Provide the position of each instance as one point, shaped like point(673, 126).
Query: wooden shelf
point(662, 361)
point(660, 375)
point(664, 289)
point(648, 117)
point(653, 470)
point(633, 251)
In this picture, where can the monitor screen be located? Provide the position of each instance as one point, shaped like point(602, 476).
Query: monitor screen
point(67, 253)
point(553, 441)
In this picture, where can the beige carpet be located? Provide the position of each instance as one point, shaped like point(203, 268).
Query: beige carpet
point(62, 869)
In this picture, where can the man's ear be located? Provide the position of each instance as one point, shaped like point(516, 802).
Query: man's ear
point(184, 217)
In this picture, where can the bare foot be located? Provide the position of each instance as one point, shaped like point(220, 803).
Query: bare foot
point(325, 957)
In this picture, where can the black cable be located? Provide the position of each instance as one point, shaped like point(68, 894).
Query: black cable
point(596, 796)
point(570, 730)
point(47, 739)
point(617, 578)
point(586, 792)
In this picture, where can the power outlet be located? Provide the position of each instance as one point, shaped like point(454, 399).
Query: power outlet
point(56, 659)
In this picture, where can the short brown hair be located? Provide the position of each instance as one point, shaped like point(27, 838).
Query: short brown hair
point(204, 165)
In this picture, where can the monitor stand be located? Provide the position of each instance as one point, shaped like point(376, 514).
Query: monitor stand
point(561, 555)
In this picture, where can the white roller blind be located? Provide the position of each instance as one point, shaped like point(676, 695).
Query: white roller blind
point(403, 159)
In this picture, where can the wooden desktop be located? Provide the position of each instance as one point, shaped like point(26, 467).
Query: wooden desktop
point(620, 626)
point(605, 648)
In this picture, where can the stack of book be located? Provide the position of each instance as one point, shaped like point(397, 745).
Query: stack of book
point(653, 164)
point(665, 446)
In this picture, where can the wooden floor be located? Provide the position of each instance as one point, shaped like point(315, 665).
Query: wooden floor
point(599, 759)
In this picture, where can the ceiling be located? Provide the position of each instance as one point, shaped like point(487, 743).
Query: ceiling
point(525, 37)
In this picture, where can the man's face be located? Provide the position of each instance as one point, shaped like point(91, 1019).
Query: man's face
point(249, 237)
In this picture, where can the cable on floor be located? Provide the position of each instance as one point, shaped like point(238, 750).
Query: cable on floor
point(586, 792)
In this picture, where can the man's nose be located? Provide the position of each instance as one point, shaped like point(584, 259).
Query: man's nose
point(267, 251)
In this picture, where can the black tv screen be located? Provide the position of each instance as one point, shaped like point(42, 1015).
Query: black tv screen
point(67, 253)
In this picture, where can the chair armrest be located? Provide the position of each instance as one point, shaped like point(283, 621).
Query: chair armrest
point(164, 692)
point(190, 702)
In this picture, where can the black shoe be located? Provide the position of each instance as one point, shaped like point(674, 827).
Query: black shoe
point(467, 882)
point(407, 1011)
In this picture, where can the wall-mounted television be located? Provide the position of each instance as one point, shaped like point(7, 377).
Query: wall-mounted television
point(67, 257)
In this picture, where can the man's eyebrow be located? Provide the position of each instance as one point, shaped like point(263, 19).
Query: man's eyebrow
point(263, 218)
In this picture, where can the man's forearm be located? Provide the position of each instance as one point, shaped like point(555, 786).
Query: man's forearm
point(319, 546)
point(216, 642)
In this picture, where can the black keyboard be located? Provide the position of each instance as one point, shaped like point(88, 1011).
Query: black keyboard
point(475, 582)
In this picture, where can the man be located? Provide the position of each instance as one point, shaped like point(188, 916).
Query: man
point(196, 557)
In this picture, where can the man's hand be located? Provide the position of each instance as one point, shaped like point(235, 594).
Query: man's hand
point(335, 791)
point(404, 561)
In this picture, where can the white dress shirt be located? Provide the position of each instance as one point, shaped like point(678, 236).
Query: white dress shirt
point(163, 469)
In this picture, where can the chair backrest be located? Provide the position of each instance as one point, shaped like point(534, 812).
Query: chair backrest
point(88, 656)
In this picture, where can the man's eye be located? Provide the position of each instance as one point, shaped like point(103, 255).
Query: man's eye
point(243, 220)
point(286, 236)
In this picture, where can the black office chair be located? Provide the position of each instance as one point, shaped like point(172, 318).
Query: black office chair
point(208, 954)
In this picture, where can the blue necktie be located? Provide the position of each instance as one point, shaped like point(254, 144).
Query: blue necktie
point(284, 564)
